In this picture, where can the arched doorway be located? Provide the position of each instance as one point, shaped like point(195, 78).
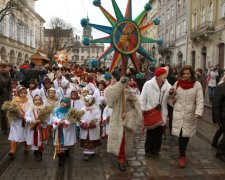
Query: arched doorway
point(167, 62)
point(3, 54)
point(12, 56)
point(180, 59)
point(26, 57)
point(193, 56)
point(221, 55)
point(204, 53)
point(19, 58)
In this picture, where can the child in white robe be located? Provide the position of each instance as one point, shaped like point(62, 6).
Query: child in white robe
point(90, 128)
point(64, 131)
point(18, 128)
point(37, 132)
point(106, 119)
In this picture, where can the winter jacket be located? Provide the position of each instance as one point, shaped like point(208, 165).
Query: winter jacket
point(218, 105)
point(151, 95)
point(189, 102)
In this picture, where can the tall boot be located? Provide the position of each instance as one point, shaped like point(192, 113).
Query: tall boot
point(13, 149)
point(26, 148)
point(216, 137)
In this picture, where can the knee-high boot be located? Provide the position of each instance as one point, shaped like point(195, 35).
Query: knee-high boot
point(12, 148)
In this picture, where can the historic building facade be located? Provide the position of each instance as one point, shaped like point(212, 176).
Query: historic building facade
point(207, 33)
point(173, 30)
point(151, 32)
point(84, 53)
point(21, 32)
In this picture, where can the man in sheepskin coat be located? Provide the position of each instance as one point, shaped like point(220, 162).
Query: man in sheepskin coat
point(122, 125)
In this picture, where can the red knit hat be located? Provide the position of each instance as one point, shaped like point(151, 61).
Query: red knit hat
point(160, 71)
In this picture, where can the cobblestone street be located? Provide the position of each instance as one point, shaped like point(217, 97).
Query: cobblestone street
point(202, 163)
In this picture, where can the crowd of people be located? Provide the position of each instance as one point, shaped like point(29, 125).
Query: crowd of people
point(112, 106)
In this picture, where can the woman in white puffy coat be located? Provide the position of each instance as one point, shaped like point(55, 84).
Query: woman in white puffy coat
point(189, 105)
point(155, 92)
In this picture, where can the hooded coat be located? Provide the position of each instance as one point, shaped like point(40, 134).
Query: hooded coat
point(113, 98)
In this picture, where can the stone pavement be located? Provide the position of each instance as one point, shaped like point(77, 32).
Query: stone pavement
point(202, 163)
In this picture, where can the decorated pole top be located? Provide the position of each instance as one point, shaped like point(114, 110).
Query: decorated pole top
point(124, 35)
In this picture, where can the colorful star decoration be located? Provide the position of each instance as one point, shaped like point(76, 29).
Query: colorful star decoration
point(125, 35)
point(61, 57)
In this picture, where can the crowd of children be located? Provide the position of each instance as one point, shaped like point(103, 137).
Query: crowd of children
point(84, 94)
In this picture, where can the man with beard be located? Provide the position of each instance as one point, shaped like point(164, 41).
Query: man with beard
point(5, 87)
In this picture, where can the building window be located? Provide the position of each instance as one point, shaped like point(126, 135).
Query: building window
point(194, 20)
point(11, 27)
point(210, 12)
point(178, 30)
point(162, 18)
point(82, 50)
point(184, 26)
point(2, 25)
point(168, 14)
point(184, 3)
point(203, 15)
point(171, 34)
point(172, 9)
point(223, 9)
point(167, 35)
point(178, 5)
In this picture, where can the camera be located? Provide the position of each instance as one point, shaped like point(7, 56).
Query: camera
point(158, 107)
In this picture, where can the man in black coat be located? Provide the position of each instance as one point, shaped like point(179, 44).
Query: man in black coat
point(5, 89)
point(218, 116)
point(33, 73)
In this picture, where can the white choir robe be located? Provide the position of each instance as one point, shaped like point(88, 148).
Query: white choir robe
point(107, 113)
point(43, 93)
point(32, 93)
point(77, 104)
point(99, 96)
point(91, 113)
point(60, 93)
point(56, 83)
point(69, 131)
point(17, 132)
point(30, 133)
point(92, 87)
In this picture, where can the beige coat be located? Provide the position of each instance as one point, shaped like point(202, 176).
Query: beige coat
point(113, 98)
point(188, 103)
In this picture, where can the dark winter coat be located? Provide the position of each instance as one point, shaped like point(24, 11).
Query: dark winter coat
point(5, 84)
point(218, 105)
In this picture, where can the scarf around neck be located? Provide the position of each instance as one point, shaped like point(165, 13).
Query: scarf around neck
point(185, 84)
point(20, 100)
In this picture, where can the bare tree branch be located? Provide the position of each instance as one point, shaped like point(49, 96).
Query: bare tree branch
point(60, 34)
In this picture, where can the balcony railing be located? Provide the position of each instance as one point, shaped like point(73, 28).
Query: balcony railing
point(166, 46)
point(204, 29)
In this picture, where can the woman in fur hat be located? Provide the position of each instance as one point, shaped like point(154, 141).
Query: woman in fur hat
point(90, 128)
point(64, 131)
point(18, 129)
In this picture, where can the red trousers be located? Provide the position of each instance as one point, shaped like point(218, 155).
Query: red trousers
point(122, 156)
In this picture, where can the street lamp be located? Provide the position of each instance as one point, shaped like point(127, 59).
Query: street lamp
point(153, 50)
